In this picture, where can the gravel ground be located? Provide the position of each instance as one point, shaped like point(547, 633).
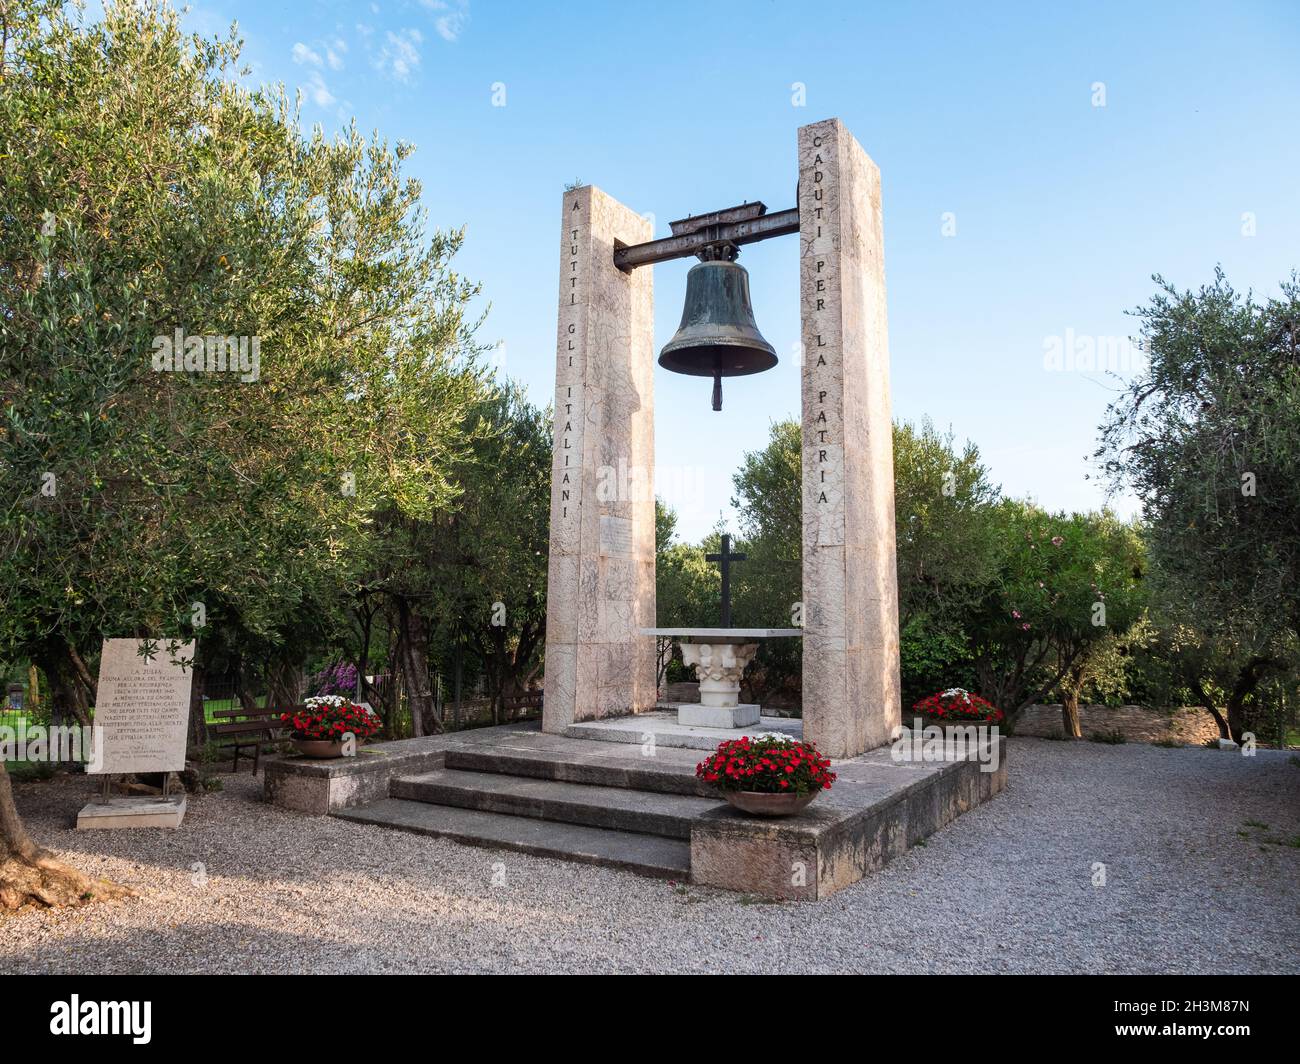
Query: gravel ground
point(1193, 884)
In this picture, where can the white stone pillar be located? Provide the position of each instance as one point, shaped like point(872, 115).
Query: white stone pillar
point(851, 689)
point(601, 579)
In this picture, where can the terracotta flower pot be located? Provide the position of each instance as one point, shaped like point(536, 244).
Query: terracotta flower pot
point(758, 803)
point(319, 747)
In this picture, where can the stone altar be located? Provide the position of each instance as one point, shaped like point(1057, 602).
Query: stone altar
point(720, 656)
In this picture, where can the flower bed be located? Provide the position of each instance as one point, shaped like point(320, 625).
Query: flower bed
point(767, 764)
point(328, 718)
point(959, 706)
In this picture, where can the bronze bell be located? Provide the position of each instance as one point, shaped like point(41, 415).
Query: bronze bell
point(717, 337)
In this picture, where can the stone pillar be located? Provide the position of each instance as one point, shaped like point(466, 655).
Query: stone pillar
point(851, 689)
point(601, 578)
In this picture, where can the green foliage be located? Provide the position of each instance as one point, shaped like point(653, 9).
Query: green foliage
point(947, 549)
point(933, 657)
point(995, 596)
point(1208, 437)
point(948, 540)
point(146, 190)
point(1065, 584)
point(479, 572)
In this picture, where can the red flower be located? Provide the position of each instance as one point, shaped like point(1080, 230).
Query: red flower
point(959, 705)
point(767, 764)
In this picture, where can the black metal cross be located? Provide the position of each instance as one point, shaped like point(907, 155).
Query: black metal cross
point(725, 559)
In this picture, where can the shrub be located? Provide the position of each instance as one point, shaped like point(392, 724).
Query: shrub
point(337, 679)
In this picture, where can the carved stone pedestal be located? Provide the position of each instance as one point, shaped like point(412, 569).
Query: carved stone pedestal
point(719, 666)
point(719, 656)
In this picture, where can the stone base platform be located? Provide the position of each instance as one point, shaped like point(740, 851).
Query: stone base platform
point(698, 715)
point(325, 785)
point(665, 729)
point(621, 801)
point(133, 812)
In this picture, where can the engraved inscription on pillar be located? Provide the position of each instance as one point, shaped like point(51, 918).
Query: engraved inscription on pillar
point(570, 366)
point(823, 362)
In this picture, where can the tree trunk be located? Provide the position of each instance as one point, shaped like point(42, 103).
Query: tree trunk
point(1248, 679)
point(413, 654)
point(497, 675)
point(81, 673)
point(1224, 732)
point(1071, 690)
point(285, 683)
point(247, 700)
point(30, 875)
point(367, 620)
point(198, 716)
point(1070, 714)
point(460, 662)
point(67, 692)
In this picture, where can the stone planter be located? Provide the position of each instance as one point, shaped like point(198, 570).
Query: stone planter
point(944, 725)
point(319, 747)
point(758, 803)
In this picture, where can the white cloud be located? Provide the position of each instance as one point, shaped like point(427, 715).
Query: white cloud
point(451, 18)
point(400, 55)
point(305, 56)
point(334, 52)
point(318, 91)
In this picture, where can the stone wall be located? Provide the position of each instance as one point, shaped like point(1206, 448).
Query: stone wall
point(1137, 724)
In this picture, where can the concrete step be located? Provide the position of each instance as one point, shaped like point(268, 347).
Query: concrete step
point(615, 808)
point(648, 855)
point(598, 764)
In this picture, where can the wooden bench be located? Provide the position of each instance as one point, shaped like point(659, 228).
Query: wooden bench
point(527, 700)
point(257, 727)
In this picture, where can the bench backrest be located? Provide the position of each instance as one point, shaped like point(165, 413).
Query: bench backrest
point(240, 721)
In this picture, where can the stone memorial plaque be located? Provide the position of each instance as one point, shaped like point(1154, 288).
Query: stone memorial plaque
point(142, 707)
point(615, 535)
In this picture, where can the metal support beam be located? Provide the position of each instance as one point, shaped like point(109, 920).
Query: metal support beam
point(736, 225)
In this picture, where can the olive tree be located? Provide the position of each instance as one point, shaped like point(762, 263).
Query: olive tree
point(1208, 438)
point(152, 487)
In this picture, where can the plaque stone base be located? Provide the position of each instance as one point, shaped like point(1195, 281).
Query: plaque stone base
point(145, 812)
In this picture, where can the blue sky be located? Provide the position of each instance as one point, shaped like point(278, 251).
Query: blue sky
point(1039, 164)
